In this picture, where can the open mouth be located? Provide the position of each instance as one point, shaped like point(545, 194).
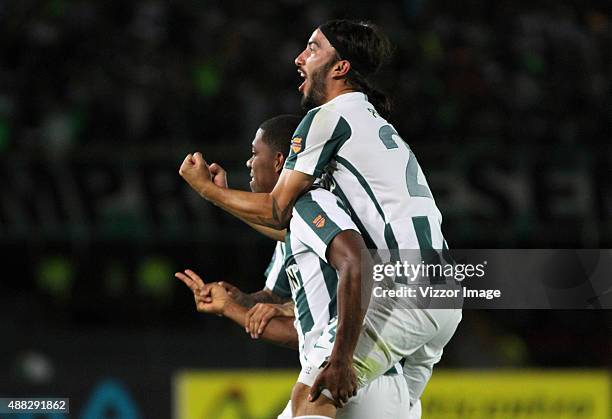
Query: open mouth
point(302, 75)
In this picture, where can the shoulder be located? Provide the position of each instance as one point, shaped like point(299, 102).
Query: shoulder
point(326, 119)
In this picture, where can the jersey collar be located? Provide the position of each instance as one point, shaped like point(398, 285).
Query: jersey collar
point(349, 97)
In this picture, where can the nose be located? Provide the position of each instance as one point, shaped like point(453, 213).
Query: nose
point(248, 162)
point(299, 60)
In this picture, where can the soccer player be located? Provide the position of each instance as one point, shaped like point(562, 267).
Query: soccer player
point(313, 284)
point(268, 154)
point(375, 174)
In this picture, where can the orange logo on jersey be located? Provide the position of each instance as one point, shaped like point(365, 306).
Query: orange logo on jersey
point(319, 221)
point(296, 145)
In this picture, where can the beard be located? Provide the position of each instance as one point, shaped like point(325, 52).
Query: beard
point(318, 87)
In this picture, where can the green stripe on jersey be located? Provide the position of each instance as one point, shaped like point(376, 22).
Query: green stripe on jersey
point(342, 132)
point(364, 233)
point(389, 236)
point(302, 132)
point(317, 219)
point(331, 283)
point(281, 285)
point(423, 232)
point(429, 255)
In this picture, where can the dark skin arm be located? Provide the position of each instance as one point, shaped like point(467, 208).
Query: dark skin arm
point(214, 298)
point(279, 330)
point(345, 255)
point(265, 209)
point(249, 300)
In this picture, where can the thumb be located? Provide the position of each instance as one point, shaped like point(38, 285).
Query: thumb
point(315, 391)
point(215, 168)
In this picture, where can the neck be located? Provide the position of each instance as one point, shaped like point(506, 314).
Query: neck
point(337, 90)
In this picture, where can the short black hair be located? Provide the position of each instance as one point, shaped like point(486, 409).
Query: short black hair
point(278, 132)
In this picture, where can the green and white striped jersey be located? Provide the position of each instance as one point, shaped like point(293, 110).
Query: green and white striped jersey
point(276, 276)
point(318, 216)
point(373, 171)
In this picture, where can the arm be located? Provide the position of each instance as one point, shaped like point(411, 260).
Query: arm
point(344, 254)
point(266, 209)
point(271, 233)
point(214, 298)
point(260, 315)
point(219, 178)
point(249, 300)
point(279, 330)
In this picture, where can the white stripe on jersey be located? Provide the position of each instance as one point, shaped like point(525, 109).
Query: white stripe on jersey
point(323, 126)
point(276, 277)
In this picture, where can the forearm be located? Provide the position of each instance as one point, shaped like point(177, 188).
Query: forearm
point(350, 313)
point(255, 208)
point(267, 296)
point(279, 330)
point(274, 234)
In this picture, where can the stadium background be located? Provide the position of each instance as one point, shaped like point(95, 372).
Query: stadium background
point(507, 105)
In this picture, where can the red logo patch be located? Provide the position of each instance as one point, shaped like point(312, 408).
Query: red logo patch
point(296, 145)
point(319, 221)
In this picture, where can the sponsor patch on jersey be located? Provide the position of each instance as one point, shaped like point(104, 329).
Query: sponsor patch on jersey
point(319, 221)
point(296, 145)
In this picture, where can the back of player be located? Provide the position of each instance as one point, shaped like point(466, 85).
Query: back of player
point(374, 172)
point(318, 216)
point(377, 176)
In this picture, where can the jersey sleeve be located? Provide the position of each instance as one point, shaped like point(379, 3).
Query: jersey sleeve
point(316, 141)
point(276, 276)
point(318, 217)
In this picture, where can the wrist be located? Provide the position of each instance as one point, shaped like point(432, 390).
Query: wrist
point(227, 307)
point(340, 359)
point(204, 188)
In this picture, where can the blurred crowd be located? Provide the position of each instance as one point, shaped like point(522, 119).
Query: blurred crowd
point(76, 73)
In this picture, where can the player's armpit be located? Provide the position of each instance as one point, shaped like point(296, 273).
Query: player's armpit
point(271, 233)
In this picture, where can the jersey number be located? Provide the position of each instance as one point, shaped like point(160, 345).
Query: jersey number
point(415, 189)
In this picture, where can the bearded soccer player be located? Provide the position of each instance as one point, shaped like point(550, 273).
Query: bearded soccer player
point(375, 173)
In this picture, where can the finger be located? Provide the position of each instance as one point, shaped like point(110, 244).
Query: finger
point(315, 391)
point(215, 169)
point(247, 320)
point(198, 158)
point(265, 319)
point(203, 296)
point(186, 280)
point(188, 160)
point(252, 324)
point(195, 277)
point(343, 396)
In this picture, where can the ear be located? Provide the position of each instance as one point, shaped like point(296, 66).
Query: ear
point(279, 162)
point(341, 68)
